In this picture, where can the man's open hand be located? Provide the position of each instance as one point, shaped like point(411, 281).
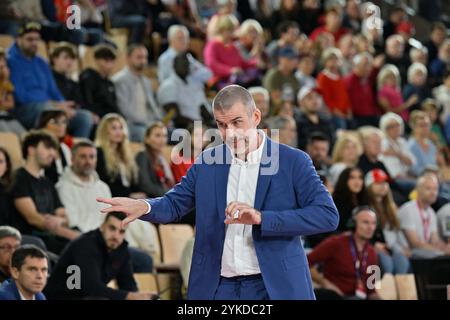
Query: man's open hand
point(131, 207)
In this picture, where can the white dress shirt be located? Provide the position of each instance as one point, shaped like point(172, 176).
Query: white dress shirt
point(239, 255)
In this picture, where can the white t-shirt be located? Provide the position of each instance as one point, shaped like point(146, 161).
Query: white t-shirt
point(443, 217)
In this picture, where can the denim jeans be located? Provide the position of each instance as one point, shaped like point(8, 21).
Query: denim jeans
point(396, 263)
point(142, 262)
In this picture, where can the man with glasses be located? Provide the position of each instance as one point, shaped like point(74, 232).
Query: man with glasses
point(9, 241)
point(34, 86)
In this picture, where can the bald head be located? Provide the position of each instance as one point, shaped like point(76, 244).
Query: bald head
point(428, 189)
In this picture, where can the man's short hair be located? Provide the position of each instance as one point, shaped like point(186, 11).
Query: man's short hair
point(232, 94)
point(173, 29)
point(116, 214)
point(105, 52)
point(133, 47)
point(48, 115)
point(34, 137)
point(61, 47)
point(317, 136)
point(284, 26)
point(29, 26)
point(26, 251)
point(7, 232)
point(83, 143)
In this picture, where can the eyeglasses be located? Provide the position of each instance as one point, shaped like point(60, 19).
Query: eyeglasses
point(9, 248)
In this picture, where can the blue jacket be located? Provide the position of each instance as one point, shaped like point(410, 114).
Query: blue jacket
point(9, 291)
point(293, 203)
point(32, 78)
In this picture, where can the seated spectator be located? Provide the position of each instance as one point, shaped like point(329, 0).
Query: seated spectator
point(288, 36)
point(388, 239)
point(342, 256)
point(420, 145)
point(419, 55)
point(115, 163)
point(35, 197)
point(102, 255)
point(346, 153)
point(29, 270)
point(223, 8)
point(287, 131)
point(10, 239)
point(280, 81)
point(250, 42)
point(135, 97)
point(63, 59)
point(442, 96)
point(262, 100)
point(352, 16)
point(178, 37)
point(305, 70)
point(288, 10)
point(155, 175)
point(98, 90)
point(55, 122)
point(441, 64)
point(223, 57)
point(396, 155)
point(6, 204)
point(395, 17)
point(34, 86)
point(443, 221)
point(79, 186)
point(437, 38)
point(395, 55)
point(182, 97)
point(347, 47)
point(417, 85)
point(360, 85)
point(349, 193)
point(310, 120)
point(129, 15)
point(418, 221)
point(389, 92)
point(8, 122)
point(317, 148)
point(333, 88)
point(333, 24)
point(431, 108)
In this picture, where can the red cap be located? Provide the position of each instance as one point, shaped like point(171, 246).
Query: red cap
point(405, 27)
point(375, 176)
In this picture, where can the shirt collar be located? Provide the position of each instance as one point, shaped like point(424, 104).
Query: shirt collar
point(23, 298)
point(253, 157)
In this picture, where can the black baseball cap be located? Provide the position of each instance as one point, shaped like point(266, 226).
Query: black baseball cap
point(28, 27)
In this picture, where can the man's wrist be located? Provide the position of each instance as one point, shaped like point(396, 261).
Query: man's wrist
point(149, 207)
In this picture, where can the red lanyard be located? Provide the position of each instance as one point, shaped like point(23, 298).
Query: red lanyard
point(425, 222)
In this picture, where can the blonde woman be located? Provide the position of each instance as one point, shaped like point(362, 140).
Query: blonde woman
point(250, 40)
point(389, 92)
point(346, 154)
point(115, 162)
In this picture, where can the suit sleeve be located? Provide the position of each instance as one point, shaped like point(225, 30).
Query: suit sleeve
point(317, 212)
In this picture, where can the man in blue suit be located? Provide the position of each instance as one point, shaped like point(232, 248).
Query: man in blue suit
point(29, 268)
point(254, 198)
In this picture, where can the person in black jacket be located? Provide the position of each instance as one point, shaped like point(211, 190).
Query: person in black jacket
point(6, 203)
point(101, 255)
point(98, 90)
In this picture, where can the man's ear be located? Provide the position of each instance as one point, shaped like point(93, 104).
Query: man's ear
point(257, 116)
point(15, 273)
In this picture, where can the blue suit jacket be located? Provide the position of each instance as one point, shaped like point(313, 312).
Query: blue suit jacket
point(9, 291)
point(291, 198)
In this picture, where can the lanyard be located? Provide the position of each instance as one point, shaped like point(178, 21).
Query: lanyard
point(425, 222)
point(360, 265)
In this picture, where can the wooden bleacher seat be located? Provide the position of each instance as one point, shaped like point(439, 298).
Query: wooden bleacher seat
point(136, 147)
point(42, 50)
point(173, 240)
point(11, 143)
point(6, 41)
point(388, 290)
point(406, 286)
point(146, 282)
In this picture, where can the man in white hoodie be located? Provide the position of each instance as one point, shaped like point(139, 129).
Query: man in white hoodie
point(79, 186)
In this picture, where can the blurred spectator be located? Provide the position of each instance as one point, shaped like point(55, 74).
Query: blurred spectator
point(102, 255)
point(360, 86)
point(441, 64)
point(363, 44)
point(55, 123)
point(128, 14)
point(334, 91)
point(317, 148)
point(178, 37)
point(79, 186)
point(346, 255)
point(35, 197)
point(443, 220)
point(396, 16)
point(395, 54)
point(115, 163)
point(251, 41)
point(309, 15)
point(305, 70)
point(388, 239)
point(280, 81)
point(418, 221)
point(224, 8)
point(417, 85)
point(29, 271)
point(437, 38)
point(420, 145)
point(34, 86)
point(349, 193)
point(371, 138)
point(262, 100)
point(352, 15)
point(263, 11)
point(396, 155)
point(182, 98)
point(6, 204)
point(288, 36)
point(155, 175)
point(309, 120)
point(288, 10)
point(135, 97)
point(437, 136)
point(10, 239)
point(419, 55)
point(347, 47)
point(333, 25)
point(8, 122)
point(345, 154)
point(223, 57)
point(389, 92)
point(442, 96)
point(98, 90)
point(287, 133)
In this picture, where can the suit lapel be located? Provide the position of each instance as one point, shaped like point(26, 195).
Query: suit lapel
point(269, 161)
point(222, 169)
